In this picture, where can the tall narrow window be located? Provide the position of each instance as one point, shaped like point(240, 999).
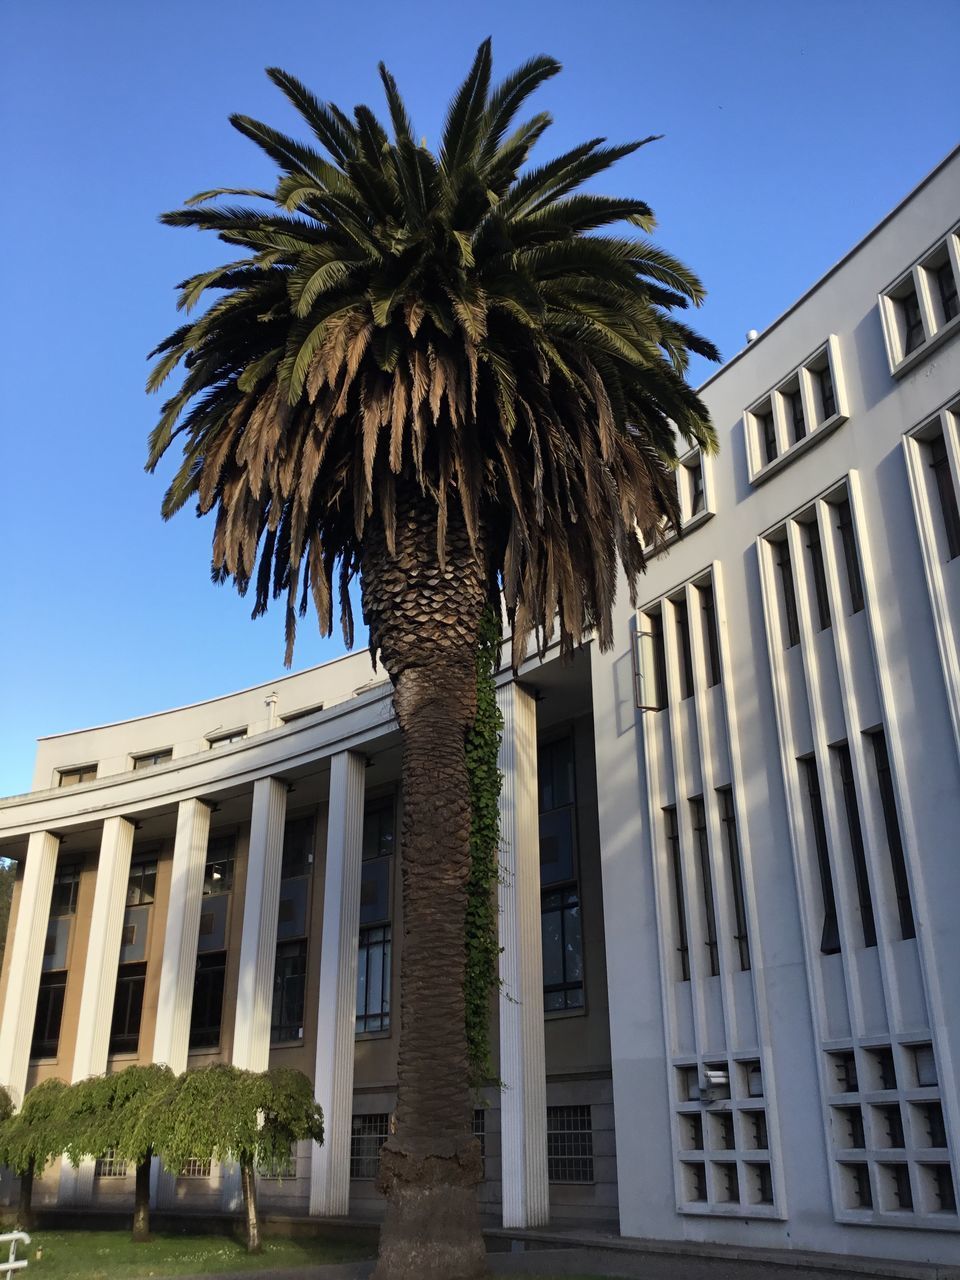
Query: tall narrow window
point(673, 845)
point(912, 322)
point(947, 288)
point(683, 648)
point(828, 394)
point(49, 1015)
point(127, 1008)
point(374, 971)
point(830, 934)
point(818, 574)
point(947, 494)
point(711, 637)
point(790, 619)
point(207, 1013)
point(856, 844)
point(661, 691)
point(894, 843)
point(796, 415)
point(729, 819)
point(851, 558)
point(768, 435)
point(373, 979)
point(695, 473)
point(289, 986)
point(560, 906)
point(706, 878)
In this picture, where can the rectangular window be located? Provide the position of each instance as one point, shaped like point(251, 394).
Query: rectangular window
point(729, 819)
point(73, 777)
point(947, 288)
point(379, 828)
point(373, 979)
point(66, 886)
point(281, 1169)
point(569, 1144)
point(367, 1136)
point(768, 435)
point(224, 739)
point(697, 500)
point(562, 933)
point(207, 1012)
point(219, 868)
point(947, 495)
point(830, 934)
point(828, 394)
point(788, 594)
point(194, 1168)
point(673, 845)
point(699, 818)
point(562, 950)
point(152, 759)
point(796, 415)
point(819, 575)
point(852, 811)
point(684, 651)
point(142, 885)
point(851, 558)
point(661, 692)
point(297, 848)
point(289, 989)
point(49, 1015)
point(891, 824)
point(127, 1008)
point(301, 713)
point(110, 1166)
point(710, 634)
point(912, 321)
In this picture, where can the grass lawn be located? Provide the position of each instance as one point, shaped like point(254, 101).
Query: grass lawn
point(112, 1255)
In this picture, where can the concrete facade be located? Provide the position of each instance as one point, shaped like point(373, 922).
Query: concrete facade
point(730, 1008)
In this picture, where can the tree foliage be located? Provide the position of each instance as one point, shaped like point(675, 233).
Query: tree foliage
point(6, 1105)
point(490, 332)
point(105, 1113)
point(38, 1132)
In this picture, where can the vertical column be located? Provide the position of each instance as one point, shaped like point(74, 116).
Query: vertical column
point(171, 1038)
point(336, 1023)
point(100, 977)
point(172, 1034)
point(523, 1115)
point(26, 962)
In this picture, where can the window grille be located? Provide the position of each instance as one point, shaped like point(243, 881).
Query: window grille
point(373, 979)
point(289, 986)
point(196, 1169)
point(367, 1136)
point(110, 1166)
point(480, 1133)
point(570, 1144)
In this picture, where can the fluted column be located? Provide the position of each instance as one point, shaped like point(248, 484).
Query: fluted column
point(171, 1039)
point(258, 944)
point(100, 977)
point(26, 962)
point(336, 1029)
point(523, 1099)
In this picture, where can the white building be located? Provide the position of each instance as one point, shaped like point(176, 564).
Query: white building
point(730, 962)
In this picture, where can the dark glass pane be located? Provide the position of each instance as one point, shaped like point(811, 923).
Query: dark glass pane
point(947, 285)
point(297, 847)
point(673, 843)
point(379, 828)
point(289, 985)
point(796, 415)
point(375, 890)
point(856, 844)
point(819, 575)
point(729, 819)
point(828, 396)
point(850, 555)
point(791, 621)
point(913, 334)
point(706, 877)
point(127, 1008)
point(947, 494)
point(66, 886)
point(711, 635)
point(891, 823)
point(683, 648)
point(830, 936)
point(555, 773)
point(46, 1026)
point(207, 1012)
point(768, 435)
point(557, 846)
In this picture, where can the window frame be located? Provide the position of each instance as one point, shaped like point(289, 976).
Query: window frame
point(922, 280)
point(802, 385)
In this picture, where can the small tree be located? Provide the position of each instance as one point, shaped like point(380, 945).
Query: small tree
point(104, 1116)
point(33, 1136)
point(6, 1105)
point(223, 1113)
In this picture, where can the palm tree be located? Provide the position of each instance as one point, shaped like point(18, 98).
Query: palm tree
point(445, 374)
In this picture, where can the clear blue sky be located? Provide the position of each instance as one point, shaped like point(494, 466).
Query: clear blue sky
point(791, 128)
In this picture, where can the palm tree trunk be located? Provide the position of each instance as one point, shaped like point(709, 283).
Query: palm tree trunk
point(249, 1183)
point(425, 619)
point(25, 1204)
point(141, 1202)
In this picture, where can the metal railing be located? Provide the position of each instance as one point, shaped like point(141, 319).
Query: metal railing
point(11, 1264)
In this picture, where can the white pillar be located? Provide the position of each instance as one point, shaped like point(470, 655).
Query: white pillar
point(26, 962)
point(100, 977)
point(171, 1039)
point(523, 1099)
point(177, 974)
point(258, 943)
point(336, 1023)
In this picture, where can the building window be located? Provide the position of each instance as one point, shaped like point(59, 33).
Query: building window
point(852, 810)
point(694, 472)
point(379, 829)
point(830, 934)
point(947, 289)
point(699, 818)
point(569, 1144)
point(367, 1136)
point(49, 1015)
point(791, 622)
point(110, 1166)
point(301, 713)
point(673, 845)
point(224, 739)
point(73, 777)
point(207, 1013)
point(219, 868)
point(194, 1168)
point(373, 979)
point(684, 651)
point(127, 1008)
point(851, 558)
point(819, 575)
point(281, 1168)
point(289, 990)
point(947, 494)
point(894, 842)
point(66, 886)
point(561, 925)
point(653, 663)
point(142, 885)
point(480, 1133)
point(768, 434)
point(297, 848)
point(797, 420)
point(711, 636)
point(911, 321)
point(828, 393)
point(729, 819)
point(152, 759)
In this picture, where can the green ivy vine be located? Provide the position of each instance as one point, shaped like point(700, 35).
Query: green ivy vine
point(483, 945)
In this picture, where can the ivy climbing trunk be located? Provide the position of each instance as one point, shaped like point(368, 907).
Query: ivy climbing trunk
point(248, 1182)
point(141, 1201)
point(424, 616)
point(25, 1202)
